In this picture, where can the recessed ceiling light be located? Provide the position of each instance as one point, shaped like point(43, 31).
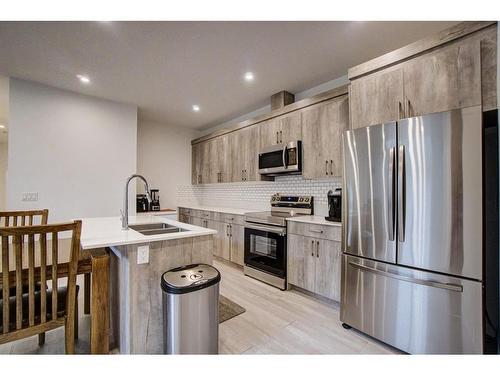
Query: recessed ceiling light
point(249, 77)
point(2, 126)
point(196, 108)
point(83, 79)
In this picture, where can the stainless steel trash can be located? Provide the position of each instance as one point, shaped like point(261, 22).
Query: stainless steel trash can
point(191, 310)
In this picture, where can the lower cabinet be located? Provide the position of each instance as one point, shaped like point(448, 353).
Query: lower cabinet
point(222, 239)
point(229, 241)
point(314, 265)
point(237, 252)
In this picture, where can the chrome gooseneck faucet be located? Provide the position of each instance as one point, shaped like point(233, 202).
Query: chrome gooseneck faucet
point(124, 212)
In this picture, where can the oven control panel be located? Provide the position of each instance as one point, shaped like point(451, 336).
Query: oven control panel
point(297, 201)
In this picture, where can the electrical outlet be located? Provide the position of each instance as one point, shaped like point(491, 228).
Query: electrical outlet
point(143, 254)
point(29, 197)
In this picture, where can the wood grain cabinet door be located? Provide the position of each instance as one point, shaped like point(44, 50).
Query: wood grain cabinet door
point(290, 127)
point(243, 161)
point(270, 132)
point(322, 128)
point(444, 79)
point(327, 281)
point(301, 261)
point(237, 161)
point(221, 239)
point(184, 219)
point(195, 164)
point(219, 160)
point(250, 152)
point(206, 164)
point(376, 99)
point(237, 243)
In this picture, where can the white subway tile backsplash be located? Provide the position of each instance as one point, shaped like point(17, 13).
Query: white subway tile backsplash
point(256, 195)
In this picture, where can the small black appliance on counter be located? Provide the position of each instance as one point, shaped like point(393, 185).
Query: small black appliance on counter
point(155, 200)
point(142, 204)
point(334, 205)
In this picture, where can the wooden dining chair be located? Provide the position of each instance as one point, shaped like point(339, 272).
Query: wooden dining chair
point(23, 218)
point(38, 311)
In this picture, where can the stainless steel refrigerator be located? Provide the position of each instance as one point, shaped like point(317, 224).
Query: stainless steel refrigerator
point(412, 232)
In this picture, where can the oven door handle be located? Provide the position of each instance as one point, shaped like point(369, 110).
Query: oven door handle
point(284, 157)
point(265, 228)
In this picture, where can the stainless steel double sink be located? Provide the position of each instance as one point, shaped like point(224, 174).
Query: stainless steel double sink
point(156, 228)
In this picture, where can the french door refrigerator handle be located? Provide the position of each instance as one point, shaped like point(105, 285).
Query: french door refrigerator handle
point(401, 194)
point(391, 193)
point(434, 284)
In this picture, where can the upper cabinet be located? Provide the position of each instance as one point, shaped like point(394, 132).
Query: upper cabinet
point(282, 129)
point(455, 69)
point(319, 123)
point(322, 127)
point(243, 150)
point(445, 79)
point(376, 98)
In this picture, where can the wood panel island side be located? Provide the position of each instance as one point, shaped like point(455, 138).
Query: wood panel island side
point(136, 322)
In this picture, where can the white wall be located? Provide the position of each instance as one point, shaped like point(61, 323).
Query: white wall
point(3, 172)
point(76, 151)
point(164, 158)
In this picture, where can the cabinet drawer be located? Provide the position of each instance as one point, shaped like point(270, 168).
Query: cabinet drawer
point(327, 232)
point(232, 219)
point(185, 211)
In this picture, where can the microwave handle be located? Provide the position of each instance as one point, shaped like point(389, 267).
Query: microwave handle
point(284, 157)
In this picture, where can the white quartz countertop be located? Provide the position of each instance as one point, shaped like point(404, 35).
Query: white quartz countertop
point(107, 231)
point(157, 213)
point(226, 210)
point(312, 219)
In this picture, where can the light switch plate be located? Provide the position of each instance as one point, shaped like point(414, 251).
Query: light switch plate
point(29, 197)
point(143, 254)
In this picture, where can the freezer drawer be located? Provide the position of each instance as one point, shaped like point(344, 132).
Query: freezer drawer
point(414, 311)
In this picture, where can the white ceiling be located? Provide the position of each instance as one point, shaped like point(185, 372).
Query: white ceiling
point(165, 67)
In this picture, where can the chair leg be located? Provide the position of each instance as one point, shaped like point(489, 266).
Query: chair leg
point(41, 339)
point(76, 319)
point(69, 336)
point(86, 293)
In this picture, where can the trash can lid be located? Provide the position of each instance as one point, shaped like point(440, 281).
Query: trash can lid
point(189, 278)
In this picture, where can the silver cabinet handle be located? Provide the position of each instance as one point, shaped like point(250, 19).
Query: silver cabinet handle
point(317, 249)
point(316, 231)
point(401, 194)
point(277, 139)
point(312, 248)
point(408, 108)
point(391, 192)
point(434, 284)
point(246, 177)
point(281, 136)
point(326, 167)
point(230, 230)
point(331, 167)
point(266, 228)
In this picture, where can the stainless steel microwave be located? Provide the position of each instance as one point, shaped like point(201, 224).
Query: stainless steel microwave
point(281, 159)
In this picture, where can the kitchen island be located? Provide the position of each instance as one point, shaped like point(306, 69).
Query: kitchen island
point(137, 262)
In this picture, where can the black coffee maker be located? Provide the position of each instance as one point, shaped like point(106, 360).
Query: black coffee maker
point(334, 205)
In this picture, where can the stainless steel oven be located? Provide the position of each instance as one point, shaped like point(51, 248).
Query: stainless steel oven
point(265, 250)
point(265, 238)
point(281, 159)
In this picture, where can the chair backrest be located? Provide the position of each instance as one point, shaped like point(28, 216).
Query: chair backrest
point(13, 241)
point(23, 218)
